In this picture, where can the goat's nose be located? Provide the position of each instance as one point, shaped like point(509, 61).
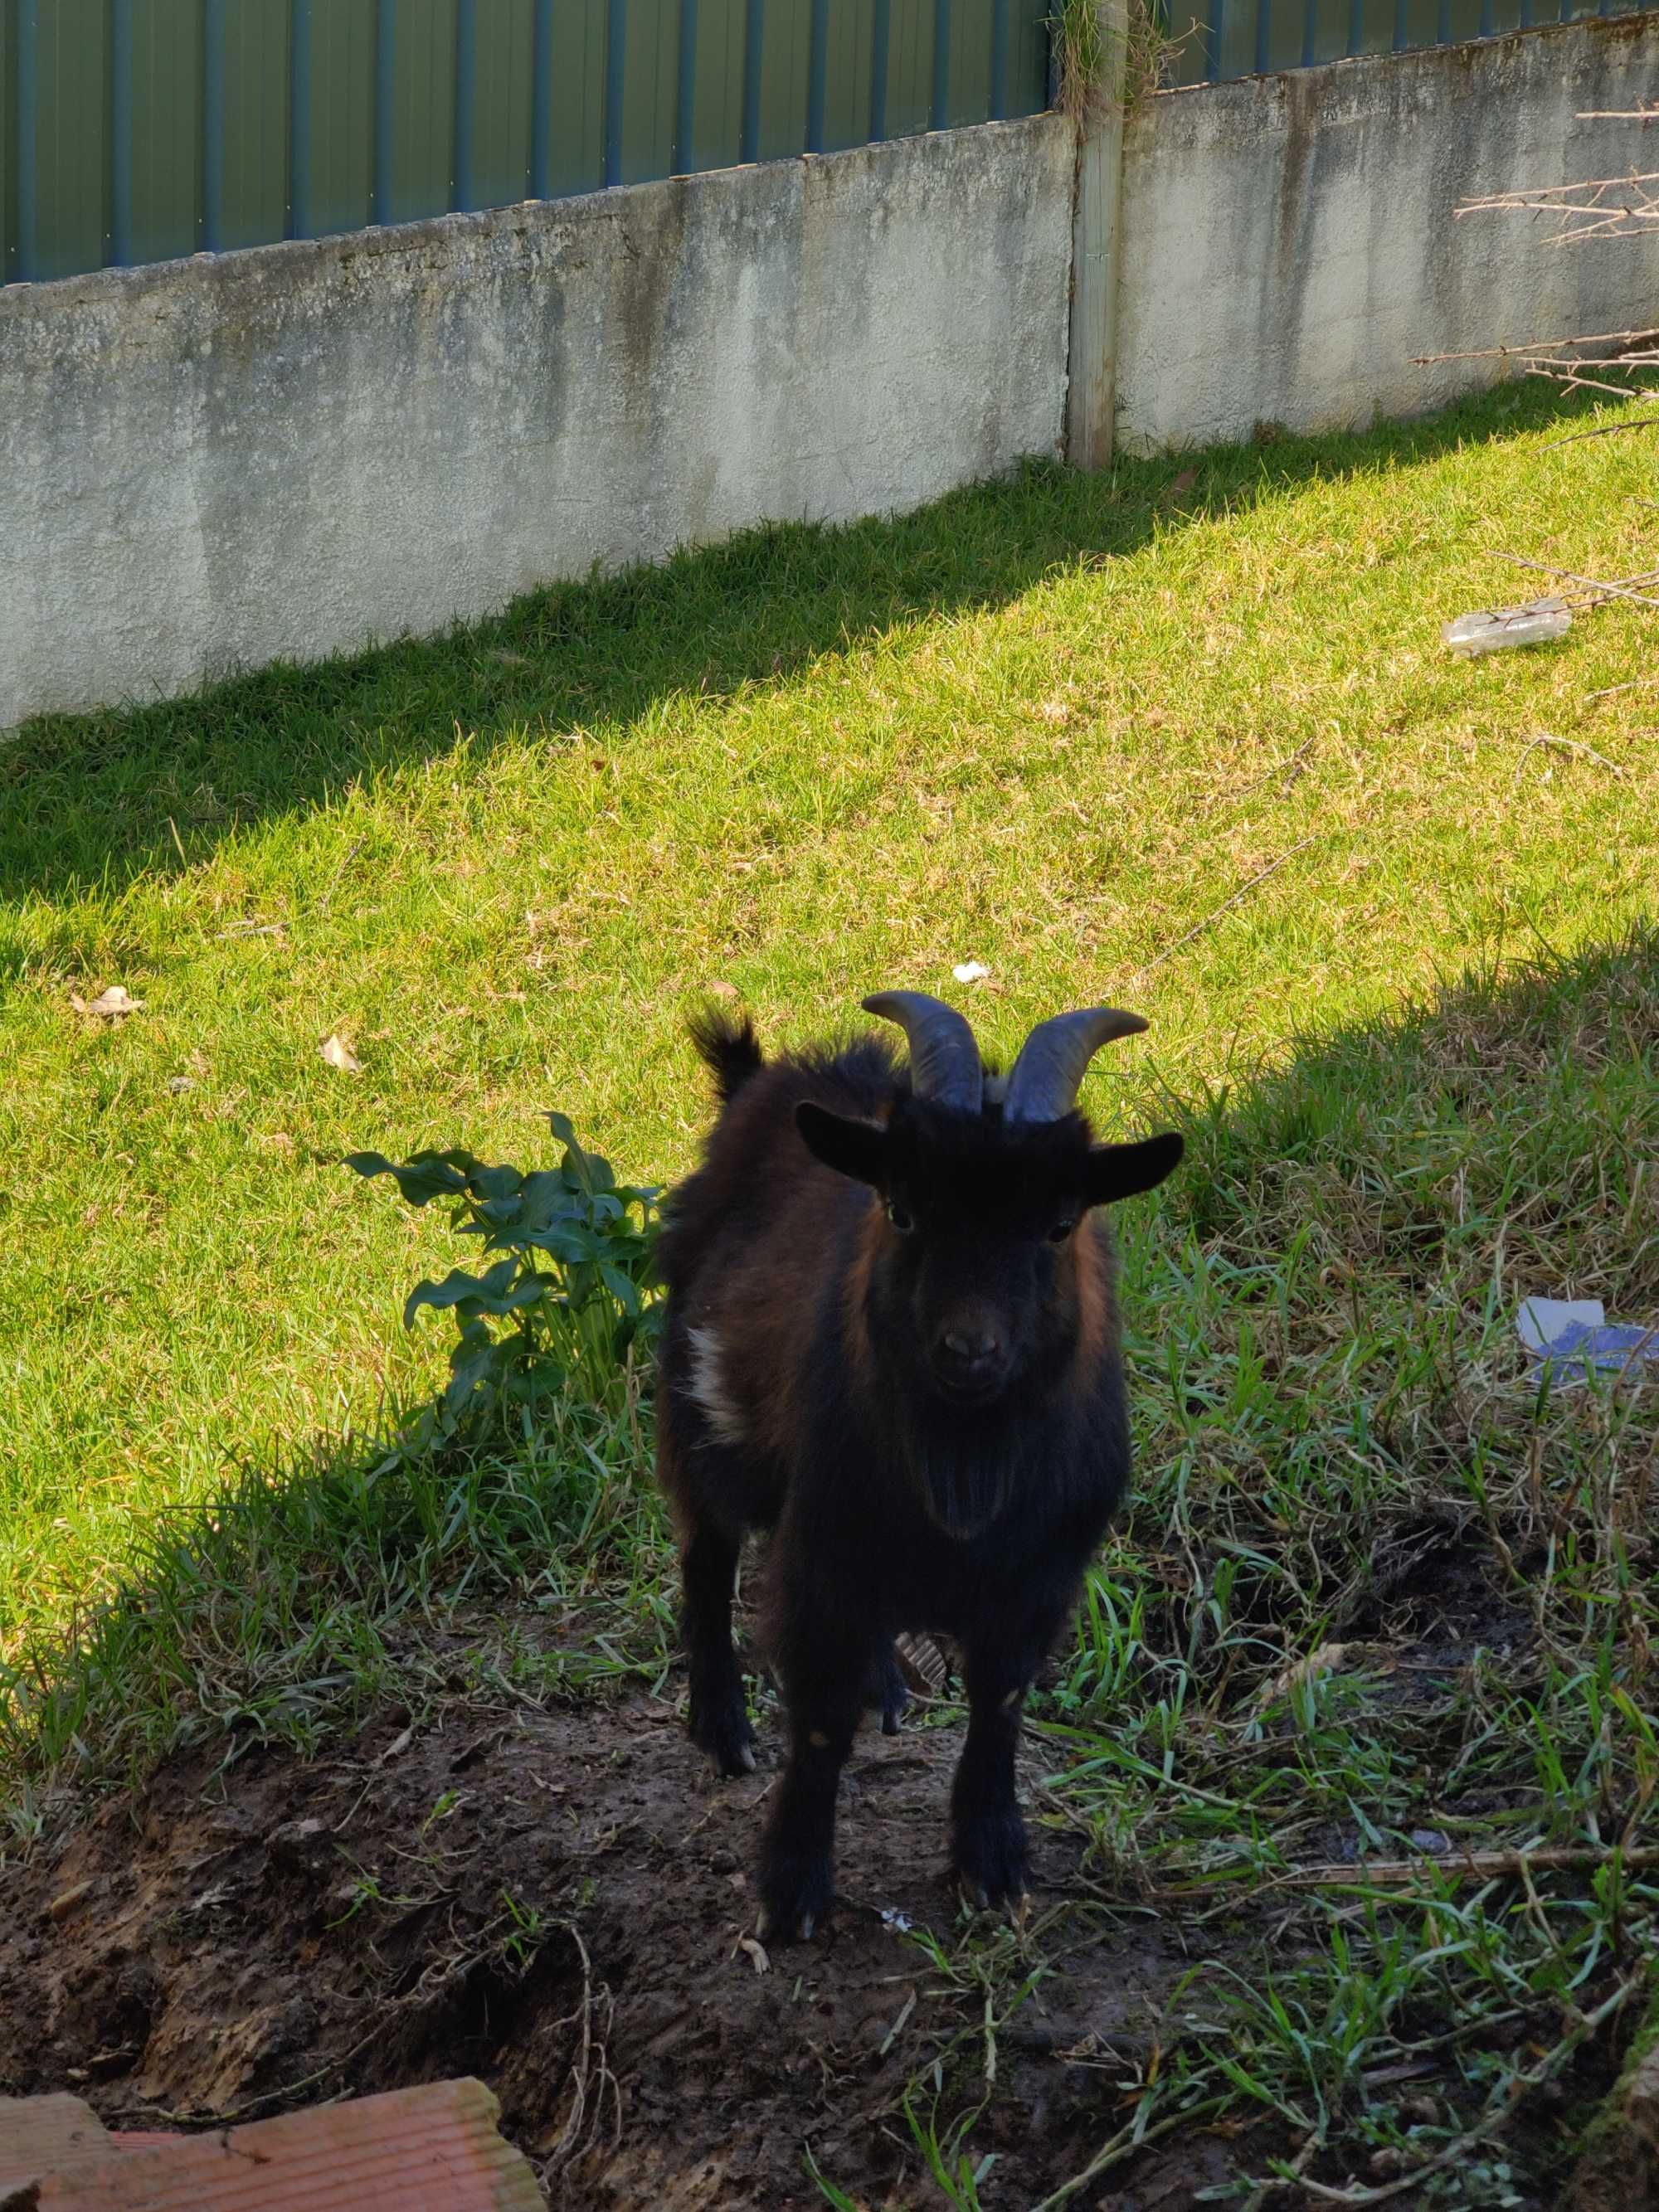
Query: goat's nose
point(973, 1347)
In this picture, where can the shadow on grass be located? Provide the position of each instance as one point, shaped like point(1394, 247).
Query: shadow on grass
point(1319, 1311)
point(90, 801)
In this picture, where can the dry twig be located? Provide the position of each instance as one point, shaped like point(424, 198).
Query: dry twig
point(1600, 207)
point(1500, 2108)
point(1624, 590)
point(1226, 905)
point(1566, 745)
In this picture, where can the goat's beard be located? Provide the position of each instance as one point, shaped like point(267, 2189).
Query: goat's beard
point(967, 1474)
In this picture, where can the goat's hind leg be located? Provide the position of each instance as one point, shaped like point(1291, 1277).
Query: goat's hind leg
point(885, 1692)
point(719, 1717)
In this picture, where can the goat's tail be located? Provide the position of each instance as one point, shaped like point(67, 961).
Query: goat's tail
point(727, 1045)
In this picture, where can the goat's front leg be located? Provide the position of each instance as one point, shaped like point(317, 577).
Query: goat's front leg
point(988, 1831)
point(823, 1671)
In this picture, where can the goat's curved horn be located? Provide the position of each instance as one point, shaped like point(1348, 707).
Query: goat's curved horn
point(1043, 1083)
point(944, 1062)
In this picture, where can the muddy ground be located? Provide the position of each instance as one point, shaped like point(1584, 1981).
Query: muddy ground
point(553, 1899)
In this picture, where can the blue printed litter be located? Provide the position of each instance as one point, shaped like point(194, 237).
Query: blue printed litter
point(1573, 1338)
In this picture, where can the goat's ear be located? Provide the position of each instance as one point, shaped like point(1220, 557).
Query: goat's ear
point(1120, 1170)
point(853, 1148)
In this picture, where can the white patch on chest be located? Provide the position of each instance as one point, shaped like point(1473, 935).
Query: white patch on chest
point(720, 1410)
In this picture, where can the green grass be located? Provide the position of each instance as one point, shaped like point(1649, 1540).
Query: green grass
point(1052, 726)
point(1063, 726)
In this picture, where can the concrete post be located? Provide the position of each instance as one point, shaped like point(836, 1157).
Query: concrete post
point(1095, 237)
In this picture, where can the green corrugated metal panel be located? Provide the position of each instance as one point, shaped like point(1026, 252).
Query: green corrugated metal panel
point(8, 143)
point(248, 199)
point(640, 143)
point(1028, 64)
point(717, 33)
point(135, 130)
point(848, 58)
point(158, 201)
point(967, 98)
point(910, 67)
point(334, 93)
point(423, 119)
point(786, 63)
point(504, 43)
point(70, 67)
point(575, 91)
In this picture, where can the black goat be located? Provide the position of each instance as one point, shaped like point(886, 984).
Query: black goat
point(892, 1336)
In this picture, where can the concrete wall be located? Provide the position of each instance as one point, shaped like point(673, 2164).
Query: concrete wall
point(1289, 241)
point(286, 451)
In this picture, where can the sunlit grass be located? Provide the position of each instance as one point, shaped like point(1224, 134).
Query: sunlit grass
point(1052, 726)
point(1381, 1603)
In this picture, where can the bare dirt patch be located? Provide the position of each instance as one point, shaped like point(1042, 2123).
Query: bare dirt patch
point(553, 1899)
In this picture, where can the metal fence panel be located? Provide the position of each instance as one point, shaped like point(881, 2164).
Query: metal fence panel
point(778, 78)
point(246, 168)
point(1220, 38)
point(845, 33)
point(570, 90)
point(494, 118)
point(156, 112)
point(642, 92)
point(8, 145)
point(414, 109)
point(63, 95)
point(134, 129)
point(708, 130)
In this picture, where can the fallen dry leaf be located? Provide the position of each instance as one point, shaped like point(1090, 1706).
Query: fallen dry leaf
point(111, 1004)
point(1325, 1661)
point(341, 1056)
point(756, 1951)
point(1178, 488)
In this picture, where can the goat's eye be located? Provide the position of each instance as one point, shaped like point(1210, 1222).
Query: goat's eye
point(1060, 1231)
point(904, 1222)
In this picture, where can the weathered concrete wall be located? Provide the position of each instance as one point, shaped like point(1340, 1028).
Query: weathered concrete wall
point(218, 462)
point(1289, 243)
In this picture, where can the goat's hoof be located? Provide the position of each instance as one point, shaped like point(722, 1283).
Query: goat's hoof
point(992, 1863)
point(795, 1897)
point(727, 1738)
point(771, 1931)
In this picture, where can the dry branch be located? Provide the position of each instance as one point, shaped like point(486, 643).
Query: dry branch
point(1467, 1866)
point(1591, 590)
point(1598, 207)
point(1595, 207)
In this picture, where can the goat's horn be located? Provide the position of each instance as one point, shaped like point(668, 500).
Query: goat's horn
point(1043, 1083)
point(944, 1062)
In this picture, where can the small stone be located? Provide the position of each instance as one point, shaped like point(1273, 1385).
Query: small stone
point(1642, 2100)
point(66, 1899)
point(299, 1843)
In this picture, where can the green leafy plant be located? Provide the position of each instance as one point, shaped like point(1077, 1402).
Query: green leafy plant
point(566, 1305)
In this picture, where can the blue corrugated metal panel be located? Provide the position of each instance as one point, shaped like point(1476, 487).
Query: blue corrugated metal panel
point(131, 131)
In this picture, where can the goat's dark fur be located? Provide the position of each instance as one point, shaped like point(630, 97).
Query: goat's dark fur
point(891, 1337)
